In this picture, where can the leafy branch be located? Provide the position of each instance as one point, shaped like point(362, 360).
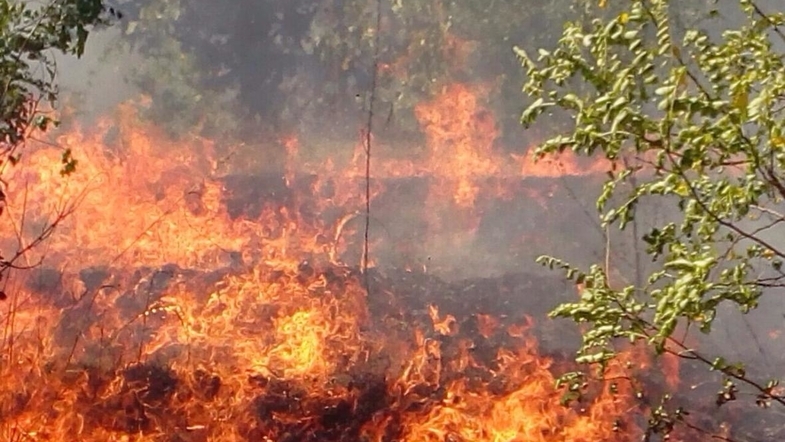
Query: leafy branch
point(697, 125)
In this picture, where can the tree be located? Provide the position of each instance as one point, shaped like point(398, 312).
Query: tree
point(29, 35)
point(311, 60)
point(693, 121)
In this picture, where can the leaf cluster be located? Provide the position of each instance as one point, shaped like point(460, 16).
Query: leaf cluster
point(692, 123)
point(28, 34)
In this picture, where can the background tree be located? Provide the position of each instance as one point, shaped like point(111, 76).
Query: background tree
point(30, 35)
point(693, 121)
point(287, 63)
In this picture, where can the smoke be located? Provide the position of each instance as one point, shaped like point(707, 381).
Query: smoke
point(94, 84)
point(268, 51)
point(273, 54)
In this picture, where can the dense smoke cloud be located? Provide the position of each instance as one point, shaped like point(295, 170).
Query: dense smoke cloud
point(286, 71)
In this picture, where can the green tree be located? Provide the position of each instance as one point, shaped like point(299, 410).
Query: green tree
point(693, 121)
point(30, 34)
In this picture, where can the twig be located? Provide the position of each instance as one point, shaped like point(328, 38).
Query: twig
point(719, 220)
point(90, 305)
point(706, 433)
point(368, 140)
point(144, 313)
point(692, 354)
point(758, 345)
point(768, 210)
point(635, 246)
point(607, 254)
point(766, 17)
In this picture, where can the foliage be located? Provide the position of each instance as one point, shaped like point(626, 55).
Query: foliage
point(695, 124)
point(28, 36)
point(290, 62)
point(28, 70)
point(169, 72)
point(214, 68)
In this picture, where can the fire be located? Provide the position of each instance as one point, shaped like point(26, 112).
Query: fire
point(165, 313)
point(460, 136)
point(559, 165)
point(153, 198)
point(527, 408)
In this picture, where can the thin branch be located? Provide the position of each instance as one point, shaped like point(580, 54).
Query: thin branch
point(768, 19)
point(368, 141)
point(758, 344)
point(147, 302)
point(23, 46)
point(755, 232)
point(731, 373)
point(706, 433)
point(717, 218)
point(692, 354)
point(607, 252)
point(769, 211)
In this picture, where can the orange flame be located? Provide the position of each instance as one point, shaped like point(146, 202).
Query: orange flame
point(255, 347)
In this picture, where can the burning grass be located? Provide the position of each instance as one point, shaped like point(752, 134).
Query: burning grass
point(287, 355)
point(183, 304)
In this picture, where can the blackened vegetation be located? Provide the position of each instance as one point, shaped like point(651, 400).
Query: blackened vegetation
point(249, 195)
point(317, 418)
point(145, 390)
point(48, 281)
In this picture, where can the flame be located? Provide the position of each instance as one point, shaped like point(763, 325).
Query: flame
point(173, 316)
point(460, 136)
point(559, 165)
point(527, 409)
